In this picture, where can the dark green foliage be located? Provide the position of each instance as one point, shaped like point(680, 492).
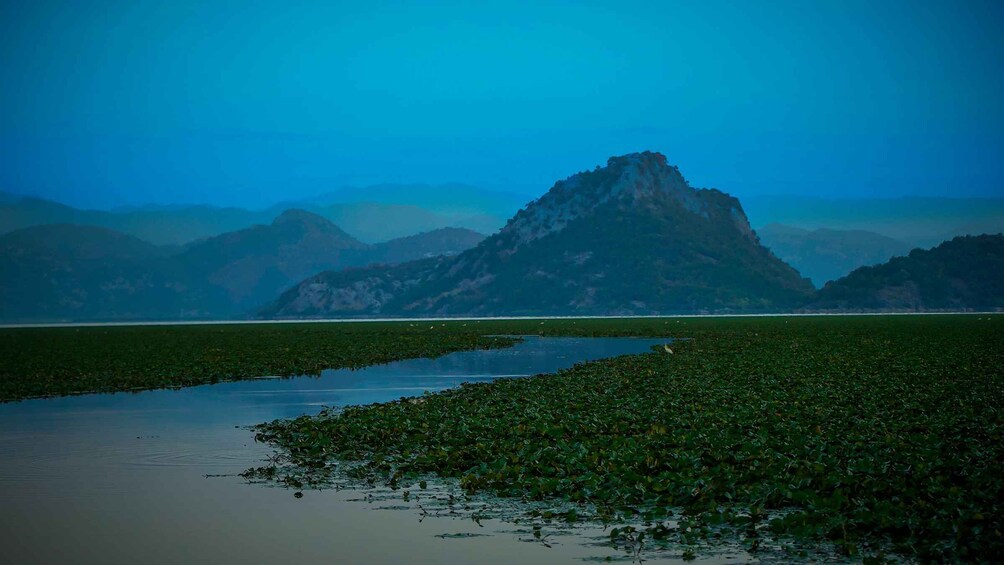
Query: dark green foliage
point(56, 361)
point(874, 434)
point(871, 433)
point(964, 273)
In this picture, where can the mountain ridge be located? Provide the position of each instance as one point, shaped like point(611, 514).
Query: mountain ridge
point(66, 271)
point(916, 220)
point(825, 254)
point(374, 221)
point(383, 212)
point(630, 237)
point(118, 276)
point(964, 273)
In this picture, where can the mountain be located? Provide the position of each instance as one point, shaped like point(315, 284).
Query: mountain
point(168, 225)
point(71, 272)
point(433, 243)
point(67, 272)
point(379, 213)
point(962, 274)
point(255, 264)
point(373, 221)
point(181, 225)
point(824, 254)
point(18, 212)
point(9, 198)
point(920, 222)
point(629, 238)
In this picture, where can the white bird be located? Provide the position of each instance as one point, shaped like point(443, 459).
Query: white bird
point(668, 350)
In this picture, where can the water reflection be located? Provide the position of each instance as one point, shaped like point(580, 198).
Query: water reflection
point(121, 477)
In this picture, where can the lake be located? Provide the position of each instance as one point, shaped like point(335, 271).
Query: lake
point(117, 478)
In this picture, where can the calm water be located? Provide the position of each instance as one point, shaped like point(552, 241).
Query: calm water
point(121, 478)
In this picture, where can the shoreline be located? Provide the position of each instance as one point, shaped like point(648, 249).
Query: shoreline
point(475, 319)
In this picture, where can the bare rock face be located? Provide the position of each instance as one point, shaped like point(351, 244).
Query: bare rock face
point(633, 179)
point(632, 237)
point(353, 292)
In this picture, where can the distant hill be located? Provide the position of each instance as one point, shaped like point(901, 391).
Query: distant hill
point(9, 198)
point(919, 222)
point(376, 220)
point(964, 273)
point(629, 238)
point(18, 212)
point(433, 243)
point(824, 254)
point(157, 225)
point(380, 213)
point(70, 272)
point(257, 263)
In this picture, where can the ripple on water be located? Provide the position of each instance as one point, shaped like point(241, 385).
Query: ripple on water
point(129, 467)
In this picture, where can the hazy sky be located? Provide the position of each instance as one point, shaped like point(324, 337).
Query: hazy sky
point(246, 103)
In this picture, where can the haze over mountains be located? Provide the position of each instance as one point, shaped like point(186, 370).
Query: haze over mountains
point(372, 214)
point(67, 272)
point(383, 212)
point(629, 238)
point(824, 255)
point(919, 222)
point(73, 272)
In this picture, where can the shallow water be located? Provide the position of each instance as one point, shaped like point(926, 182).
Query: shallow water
point(116, 478)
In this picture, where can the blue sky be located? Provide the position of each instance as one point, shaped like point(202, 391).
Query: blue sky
point(246, 103)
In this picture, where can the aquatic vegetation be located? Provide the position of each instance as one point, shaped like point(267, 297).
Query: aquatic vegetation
point(38, 362)
point(871, 435)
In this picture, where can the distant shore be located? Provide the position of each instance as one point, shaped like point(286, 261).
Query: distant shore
point(471, 319)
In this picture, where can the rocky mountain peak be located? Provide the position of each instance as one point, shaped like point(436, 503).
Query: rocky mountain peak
point(631, 237)
point(645, 174)
point(630, 180)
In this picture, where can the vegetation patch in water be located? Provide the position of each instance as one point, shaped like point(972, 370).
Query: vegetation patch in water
point(37, 362)
point(872, 435)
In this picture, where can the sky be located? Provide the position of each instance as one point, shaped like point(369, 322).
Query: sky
point(247, 103)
